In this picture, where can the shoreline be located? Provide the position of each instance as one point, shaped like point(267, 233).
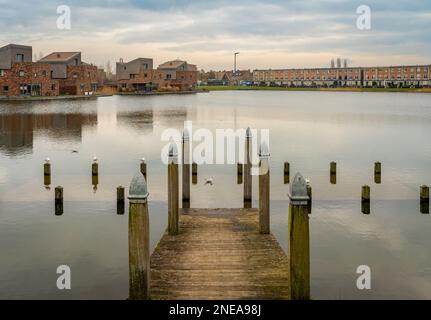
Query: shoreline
point(53, 98)
point(256, 88)
point(155, 93)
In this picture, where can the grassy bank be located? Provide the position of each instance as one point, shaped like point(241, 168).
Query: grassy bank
point(223, 88)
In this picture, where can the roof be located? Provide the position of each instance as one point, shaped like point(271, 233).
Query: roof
point(12, 45)
point(59, 56)
point(172, 64)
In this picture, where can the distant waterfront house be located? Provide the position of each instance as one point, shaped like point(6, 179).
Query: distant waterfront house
point(20, 76)
point(75, 76)
point(388, 77)
point(176, 74)
point(135, 75)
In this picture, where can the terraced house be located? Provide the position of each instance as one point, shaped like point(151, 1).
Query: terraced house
point(20, 76)
point(393, 76)
point(139, 75)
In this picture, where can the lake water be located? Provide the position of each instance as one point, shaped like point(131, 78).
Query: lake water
point(308, 129)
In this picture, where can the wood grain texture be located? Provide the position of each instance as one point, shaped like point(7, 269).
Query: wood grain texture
point(219, 254)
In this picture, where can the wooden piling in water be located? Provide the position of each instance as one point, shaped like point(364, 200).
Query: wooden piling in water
point(286, 172)
point(94, 168)
point(264, 194)
point(247, 170)
point(143, 168)
point(194, 173)
point(239, 172)
point(333, 172)
point(173, 223)
point(120, 200)
point(47, 173)
point(424, 199)
point(310, 197)
point(139, 240)
point(377, 172)
point(186, 169)
point(365, 199)
point(299, 240)
point(58, 195)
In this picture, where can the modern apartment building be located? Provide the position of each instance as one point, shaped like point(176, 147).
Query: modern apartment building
point(394, 76)
point(75, 76)
point(139, 75)
point(19, 76)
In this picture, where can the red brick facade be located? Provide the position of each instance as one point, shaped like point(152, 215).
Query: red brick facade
point(80, 79)
point(28, 78)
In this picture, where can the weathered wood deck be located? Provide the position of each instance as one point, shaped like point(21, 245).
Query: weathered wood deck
point(219, 254)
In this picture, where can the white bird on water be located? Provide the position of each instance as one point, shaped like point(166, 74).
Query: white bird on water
point(209, 181)
point(74, 150)
point(94, 159)
point(47, 160)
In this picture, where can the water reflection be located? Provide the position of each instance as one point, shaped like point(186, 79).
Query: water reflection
point(17, 130)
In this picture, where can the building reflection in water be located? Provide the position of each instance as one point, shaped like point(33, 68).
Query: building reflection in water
point(17, 129)
point(142, 121)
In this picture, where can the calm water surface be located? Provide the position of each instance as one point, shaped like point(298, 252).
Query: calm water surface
point(308, 129)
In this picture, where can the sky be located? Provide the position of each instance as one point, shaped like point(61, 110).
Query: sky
point(268, 34)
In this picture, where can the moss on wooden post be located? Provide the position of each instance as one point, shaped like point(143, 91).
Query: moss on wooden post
point(377, 172)
point(333, 172)
point(239, 172)
point(194, 173)
point(139, 239)
point(424, 199)
point(58, 194)
point(47, 173)
point(299, 240)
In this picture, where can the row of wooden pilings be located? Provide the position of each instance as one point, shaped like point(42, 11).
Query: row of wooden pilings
point(139, 255)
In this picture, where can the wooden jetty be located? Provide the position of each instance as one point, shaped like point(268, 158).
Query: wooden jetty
point(224, 253)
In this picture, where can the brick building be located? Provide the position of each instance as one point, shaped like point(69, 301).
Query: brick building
point(176, 74)
point(135, 75)
point(395, 76)
point(19, 76)
point(75, 77)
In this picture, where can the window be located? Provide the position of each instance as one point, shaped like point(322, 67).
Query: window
point(35, 74)
point(88, 74)
point(5, 88)
point(1, 73)
point(76, 62)
point(53, 87)
point(19, 57)
point(75, 75)
point(168, 76)
point(145, 75)
point(44, 73)
point(132, 76)
point(21, 73)
point(145, 66)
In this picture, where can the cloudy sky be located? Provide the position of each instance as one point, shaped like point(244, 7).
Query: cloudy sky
point(268, 34)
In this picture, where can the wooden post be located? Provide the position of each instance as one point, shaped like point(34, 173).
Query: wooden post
point(120, 200)
point(47, 173)
point(186, 169)
point(286, 172)
point(94, 174)
point(365, 200)
point(247, 170)
point(194, 173)
point(144, 168)
point(139, 240)
point(264, 185)
point(58, 194)
point(424, 199)
point(173, 191)
point(377, 172)
point(239, 172)
point(310, 197)
point(299, 240)
point(333, 172)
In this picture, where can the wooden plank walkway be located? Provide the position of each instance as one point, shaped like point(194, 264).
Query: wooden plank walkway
point(219, 254)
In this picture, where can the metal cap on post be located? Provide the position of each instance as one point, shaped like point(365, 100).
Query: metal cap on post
point(138, 191)
point(264, 150)
point(186, 136)
point(248, 133)
point(173, 152)
point(298, 191)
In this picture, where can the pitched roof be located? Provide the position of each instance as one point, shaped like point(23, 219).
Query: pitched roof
point(59, 56)
point(172, 64)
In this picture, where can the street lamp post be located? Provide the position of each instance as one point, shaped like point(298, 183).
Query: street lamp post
point(234, 64)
